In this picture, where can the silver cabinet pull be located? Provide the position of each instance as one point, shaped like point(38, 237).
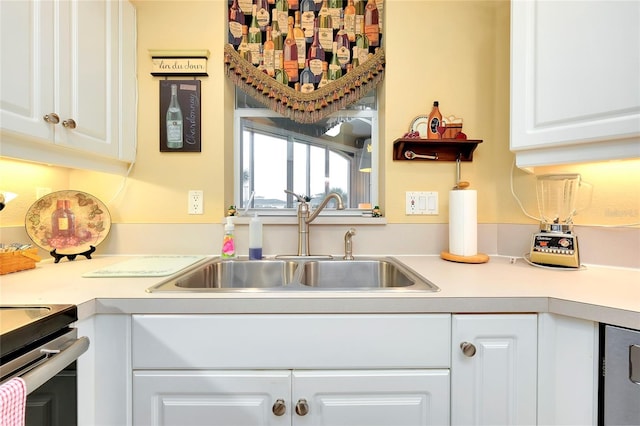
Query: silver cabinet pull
point(279, 407)
point(52, 118)
point(69, 123)
point(302, 407)
point(468, 349)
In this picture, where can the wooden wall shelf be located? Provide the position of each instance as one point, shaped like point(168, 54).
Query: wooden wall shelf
point(444, 149)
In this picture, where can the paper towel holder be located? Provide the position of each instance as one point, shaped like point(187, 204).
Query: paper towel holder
point(477, 258)
point(446, 255)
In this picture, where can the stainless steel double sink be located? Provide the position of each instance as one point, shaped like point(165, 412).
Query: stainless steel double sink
point(301, 274)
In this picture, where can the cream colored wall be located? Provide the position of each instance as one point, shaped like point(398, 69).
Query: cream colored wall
point(457, 52)
point(156, 190)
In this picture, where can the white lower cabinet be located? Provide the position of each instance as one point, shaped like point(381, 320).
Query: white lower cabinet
point(315, 369)
point(494, 369)
point(283, 397)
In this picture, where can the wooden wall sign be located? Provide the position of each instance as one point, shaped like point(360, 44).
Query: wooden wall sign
point(182, 63)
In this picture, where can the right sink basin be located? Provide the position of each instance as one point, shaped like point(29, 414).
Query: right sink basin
point(362, 274)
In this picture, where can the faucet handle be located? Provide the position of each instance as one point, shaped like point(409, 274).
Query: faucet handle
point(300, 198)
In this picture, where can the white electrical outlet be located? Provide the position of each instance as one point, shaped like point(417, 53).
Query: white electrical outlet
point(419, 202)
point(196, 202)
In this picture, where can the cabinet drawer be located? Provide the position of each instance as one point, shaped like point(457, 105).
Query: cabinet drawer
point(291, 341)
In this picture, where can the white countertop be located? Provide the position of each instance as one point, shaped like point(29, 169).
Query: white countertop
point(602, 294)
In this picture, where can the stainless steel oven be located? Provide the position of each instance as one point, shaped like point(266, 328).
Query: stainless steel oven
point(619, 376)
point(38, 344)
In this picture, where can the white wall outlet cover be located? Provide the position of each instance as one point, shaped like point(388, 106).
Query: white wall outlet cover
point(195, 200)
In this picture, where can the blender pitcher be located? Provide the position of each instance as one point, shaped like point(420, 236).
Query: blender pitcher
point(558, 196)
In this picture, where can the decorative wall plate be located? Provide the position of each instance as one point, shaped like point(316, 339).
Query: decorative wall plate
point(68, 221)
point(420, 124)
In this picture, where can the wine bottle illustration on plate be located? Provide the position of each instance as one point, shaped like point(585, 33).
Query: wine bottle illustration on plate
point(174, 121)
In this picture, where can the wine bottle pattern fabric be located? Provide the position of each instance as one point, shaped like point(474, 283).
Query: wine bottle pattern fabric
point(274, 34)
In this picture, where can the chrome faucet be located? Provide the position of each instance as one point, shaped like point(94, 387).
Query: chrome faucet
point(348, 244)
point(305, 217)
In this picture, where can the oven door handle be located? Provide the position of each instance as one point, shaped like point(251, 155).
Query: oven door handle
point(54, 364)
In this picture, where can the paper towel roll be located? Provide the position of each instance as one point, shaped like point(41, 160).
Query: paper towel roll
point(463, 222)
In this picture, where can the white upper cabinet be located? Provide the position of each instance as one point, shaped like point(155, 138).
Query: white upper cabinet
point(575, 81)
point(68, 83)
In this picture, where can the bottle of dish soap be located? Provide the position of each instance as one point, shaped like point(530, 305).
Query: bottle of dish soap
point(228, 241)
point(255, 238)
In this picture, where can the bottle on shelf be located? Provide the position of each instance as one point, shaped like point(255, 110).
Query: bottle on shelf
point(236, 21)
point(290, 54)
point(174, 121)
point(434, 122)
point(372, 23)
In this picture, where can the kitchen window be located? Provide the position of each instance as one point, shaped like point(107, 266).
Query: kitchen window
point(274, 153)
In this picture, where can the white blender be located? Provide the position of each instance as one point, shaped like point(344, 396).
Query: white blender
point(556, 245)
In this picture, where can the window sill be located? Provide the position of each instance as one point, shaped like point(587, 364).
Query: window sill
point(320, 220)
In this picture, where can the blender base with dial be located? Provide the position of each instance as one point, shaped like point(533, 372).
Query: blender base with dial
point(555, 248)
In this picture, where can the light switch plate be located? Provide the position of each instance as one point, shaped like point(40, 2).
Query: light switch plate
point(421, 202)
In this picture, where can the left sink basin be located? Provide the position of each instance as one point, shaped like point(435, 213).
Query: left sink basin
point(232, 274)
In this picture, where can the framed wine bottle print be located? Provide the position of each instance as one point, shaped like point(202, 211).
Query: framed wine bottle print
point(180, 120)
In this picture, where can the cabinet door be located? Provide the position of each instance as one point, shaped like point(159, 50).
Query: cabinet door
point(212, 398)
point(494, 381)
point(87, 87)
point(71, 60)
point(27, 58)
point(371, 397)
point(574, 81)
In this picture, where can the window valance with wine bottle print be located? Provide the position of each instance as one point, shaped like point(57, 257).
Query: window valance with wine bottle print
point(305, 59)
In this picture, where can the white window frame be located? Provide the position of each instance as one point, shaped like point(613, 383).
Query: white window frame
point(371, 114)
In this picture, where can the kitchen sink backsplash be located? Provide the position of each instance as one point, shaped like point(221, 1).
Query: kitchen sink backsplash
point(618, 247)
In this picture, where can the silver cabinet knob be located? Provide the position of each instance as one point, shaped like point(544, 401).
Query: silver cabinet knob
point(279, 407)
point(468, 349)
point(302, 407)
point(69, 123)
point(52, 118)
